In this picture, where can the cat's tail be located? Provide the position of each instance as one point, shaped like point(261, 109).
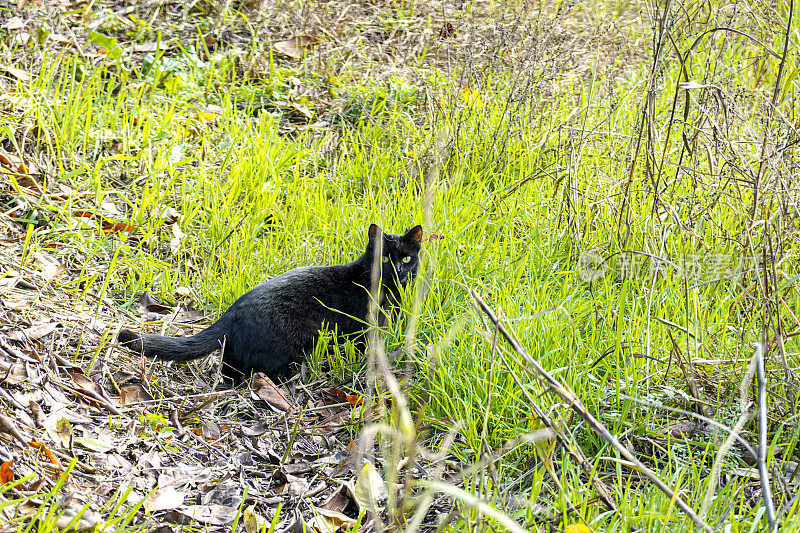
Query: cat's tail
point(173, 348)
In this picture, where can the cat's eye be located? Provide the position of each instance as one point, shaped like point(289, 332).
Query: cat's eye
point(407, 259)
point(385, 259)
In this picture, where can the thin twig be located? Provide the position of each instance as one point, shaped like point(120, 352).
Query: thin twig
point(762, 438)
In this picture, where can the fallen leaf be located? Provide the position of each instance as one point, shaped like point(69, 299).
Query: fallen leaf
point(164, 498)
point(6, 472)
point(353, 399)
point(34, 332)
point(447, 31)
point(50, 267)
point(17, 73)
point(327, 521)
point(215, 515)
point(40, 446)
point(133, 393)
point(106, 225)
point(118, 227)
point(253, 523)
point(146, 303)
point(177, 237)
point(263, 388)
point(171, 215)
point(95, 445)
point(369, 490)
point(295, 46)
point(87, 519)
point(13, 161)
point(92, 391)
point(14, 23)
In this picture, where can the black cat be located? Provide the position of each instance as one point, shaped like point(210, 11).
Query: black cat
point(278, 322)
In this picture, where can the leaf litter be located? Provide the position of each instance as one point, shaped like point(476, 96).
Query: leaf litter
point(114, 428)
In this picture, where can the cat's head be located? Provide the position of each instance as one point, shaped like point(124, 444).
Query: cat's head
point(399, 260)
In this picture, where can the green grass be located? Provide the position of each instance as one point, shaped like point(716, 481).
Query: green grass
point(517, 197)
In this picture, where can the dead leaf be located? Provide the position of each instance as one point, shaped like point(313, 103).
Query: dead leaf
point(92, 391)
point(34, 332)
point(369, 490)
point(14, 23)
point(338, 501)
point(17, 73)
point(87, 519)
point(295, 46)
point(45, 451)
point(447, 31)
point(133, 393)
point(263, 388)
point(353, 399)
point(50, 268)
point(13, 161)
point(15, 374)
point(175, 241)
point(29, 182)
point(171, 215)
point(327, 521)
point(253, 522)
point(146, 303)
point(95, 445)
point(118, 227)
point(107, 225)
point(164, 498)
point(215, 515)
point(6, 472)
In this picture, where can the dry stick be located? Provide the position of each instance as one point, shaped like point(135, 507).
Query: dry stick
point(762, 438)
point(576, 405)
point(575, 452)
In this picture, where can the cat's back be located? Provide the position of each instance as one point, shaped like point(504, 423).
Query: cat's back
point(315, 282)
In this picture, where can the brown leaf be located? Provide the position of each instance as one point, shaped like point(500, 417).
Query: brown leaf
point(29, 182)
point(295, 46)
point(353, 399)
point(146, 303)
point(338, 501)
point(215, 515)
point(45, 451)
point(93, 391)
point(6, 472)
point(34, 332)
point(263, 388)
point(447, 30)
point(13, 161)
point(118, 227)
point(133, 393)
point(106, 225)
point(328, 521)
point(17, 73)
point(164, 498)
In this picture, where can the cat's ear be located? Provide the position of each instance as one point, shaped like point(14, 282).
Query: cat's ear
point(414, 234)
point(374, 232)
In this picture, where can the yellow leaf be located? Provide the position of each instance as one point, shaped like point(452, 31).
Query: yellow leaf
point(577, 528)
point(252, 521)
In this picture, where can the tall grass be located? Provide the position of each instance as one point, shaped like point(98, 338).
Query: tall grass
point(689, 159)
